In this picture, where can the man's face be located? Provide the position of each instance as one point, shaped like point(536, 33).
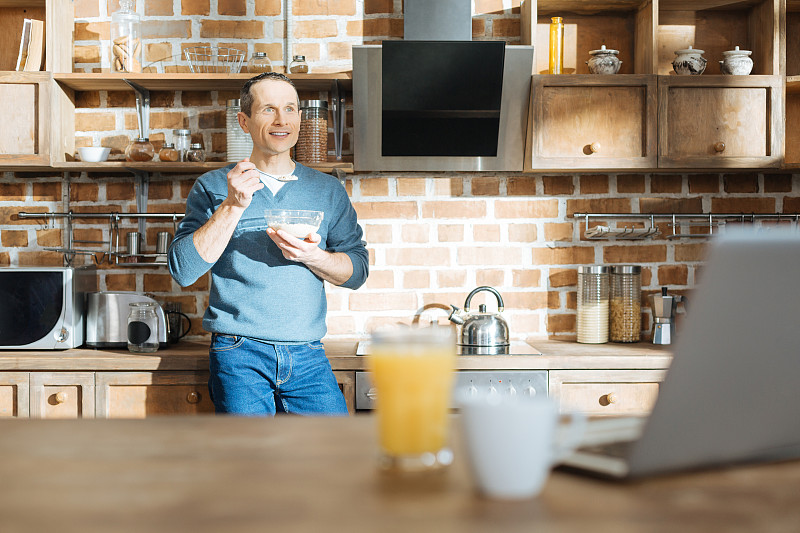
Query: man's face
point(274, 120)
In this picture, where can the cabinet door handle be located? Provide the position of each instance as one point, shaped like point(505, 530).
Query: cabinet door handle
point(719, 147)
point(372, 393)
point(61, 397)
point(193, 397)
point(608, 399)
point(594, 147)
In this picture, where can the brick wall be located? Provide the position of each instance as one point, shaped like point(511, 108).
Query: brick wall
point(432, 237)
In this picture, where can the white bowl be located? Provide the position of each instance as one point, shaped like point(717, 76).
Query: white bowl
point(94, 154)
point(297, 222)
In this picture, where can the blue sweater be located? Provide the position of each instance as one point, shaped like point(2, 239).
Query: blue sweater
point(255, 291)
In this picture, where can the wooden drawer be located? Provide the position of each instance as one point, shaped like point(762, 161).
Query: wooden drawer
point(144, 394)
point(347, 384)
point(606, 392)
point(14, 394)
point(720, 121)
point(62, 395)
point(588, 121)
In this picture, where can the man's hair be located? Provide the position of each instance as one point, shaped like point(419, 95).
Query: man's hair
point(246, 97)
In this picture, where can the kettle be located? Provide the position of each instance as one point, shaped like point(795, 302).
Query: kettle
point(482, 332)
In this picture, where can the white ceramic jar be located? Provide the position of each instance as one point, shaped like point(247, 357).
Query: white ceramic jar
point(736, 63)
point(689, 61)
point(604, 61)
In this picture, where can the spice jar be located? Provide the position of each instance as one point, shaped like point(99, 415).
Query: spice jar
point(142, 327)
point(625, 320)
point(196, 154)
point(259, 62)
point(240, 144)
point(140, 150)
point(593, 291)
point(312, 140)
point(168, 153)
point(298, 65)
point(183, 140)
point(126, 39)
point(556, 46)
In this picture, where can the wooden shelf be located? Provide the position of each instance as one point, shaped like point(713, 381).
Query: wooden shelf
point(154, 166)
point(793, 85)
point(22, 3)
point(112, 81)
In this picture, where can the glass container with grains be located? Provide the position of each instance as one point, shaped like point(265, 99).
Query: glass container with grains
point(593, 294)
point(625, 319)
point(140, 150)
point(312, 141)
point(298, 65)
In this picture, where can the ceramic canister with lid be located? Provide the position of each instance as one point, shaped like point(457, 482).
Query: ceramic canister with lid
point(689, 61)
point(593, 293)
point(736, 63)
point(604, 61)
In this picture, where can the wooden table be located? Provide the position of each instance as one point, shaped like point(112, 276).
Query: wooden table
point(228, 474)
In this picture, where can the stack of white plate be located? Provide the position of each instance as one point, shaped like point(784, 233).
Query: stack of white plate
point(240, 145)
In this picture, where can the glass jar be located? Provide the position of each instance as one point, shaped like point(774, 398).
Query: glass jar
point(142, 327)
point(298, 65)
point(168, 153)
point(140, 150)
point(183, 140)
point(126, 39)
point(259, 62)
point(312, 140)
point(240, 144)
point(556, 45)
point(196, 154)
point(625, 318)
point(593, 292)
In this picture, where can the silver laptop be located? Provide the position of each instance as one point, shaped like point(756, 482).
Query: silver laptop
point(732, 393)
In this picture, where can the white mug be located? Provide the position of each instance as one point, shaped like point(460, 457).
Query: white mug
point(512, 442)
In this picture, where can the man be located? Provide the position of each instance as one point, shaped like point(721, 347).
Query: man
point(267, 305)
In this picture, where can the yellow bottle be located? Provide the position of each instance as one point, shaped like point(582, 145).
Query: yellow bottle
point(556, 45)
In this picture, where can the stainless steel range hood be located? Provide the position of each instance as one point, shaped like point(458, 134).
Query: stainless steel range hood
point(373, 146)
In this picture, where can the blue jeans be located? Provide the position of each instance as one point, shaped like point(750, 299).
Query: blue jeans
point(255, 378)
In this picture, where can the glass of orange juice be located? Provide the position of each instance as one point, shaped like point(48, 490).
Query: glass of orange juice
point(413, 372)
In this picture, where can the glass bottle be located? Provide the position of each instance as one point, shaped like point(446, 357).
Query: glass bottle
point(625, 313)
point(298, 65)
point(593, 293)
point(259, 62)
point(556, 45)
point(196, 154)
point(312, 140)
point(168, 153)
point(183, 139)
point(142, 327)
point(140, 150)
point(240, 144)
point(126, 39)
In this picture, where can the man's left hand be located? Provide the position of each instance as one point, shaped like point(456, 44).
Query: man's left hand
point(301, 250)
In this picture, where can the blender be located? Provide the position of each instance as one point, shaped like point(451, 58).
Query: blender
point(664, 307)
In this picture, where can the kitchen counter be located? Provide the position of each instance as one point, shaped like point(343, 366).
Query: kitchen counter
point(562, 355)
point(208, 474)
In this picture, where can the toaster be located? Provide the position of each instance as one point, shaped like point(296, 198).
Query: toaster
point(107, 319)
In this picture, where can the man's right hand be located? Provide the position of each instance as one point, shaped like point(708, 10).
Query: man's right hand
point(243, 181)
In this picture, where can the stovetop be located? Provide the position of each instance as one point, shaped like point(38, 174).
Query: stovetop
point(514, 348)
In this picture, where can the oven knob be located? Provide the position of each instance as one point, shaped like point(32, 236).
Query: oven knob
point(530, 391)
point(62, 335)
point(492, 391)
point(511, 391)
point(472, 390)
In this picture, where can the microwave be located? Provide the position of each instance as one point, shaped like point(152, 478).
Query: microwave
point(44, 308)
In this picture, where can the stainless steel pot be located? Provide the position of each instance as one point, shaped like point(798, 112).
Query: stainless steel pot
point(482, 332)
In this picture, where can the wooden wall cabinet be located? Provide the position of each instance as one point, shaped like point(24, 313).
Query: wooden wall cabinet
point(589, 122)
point(720, 121)
point(14, 394)
point(606, 392)
point(62, 394)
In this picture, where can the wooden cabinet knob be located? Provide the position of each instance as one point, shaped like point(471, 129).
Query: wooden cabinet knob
point(61, 397)
point(594, 147)
point(719, 147)
point(193, 397)
point(608, 399)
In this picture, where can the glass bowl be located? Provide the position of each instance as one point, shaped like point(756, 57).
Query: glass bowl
point(297, 222)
